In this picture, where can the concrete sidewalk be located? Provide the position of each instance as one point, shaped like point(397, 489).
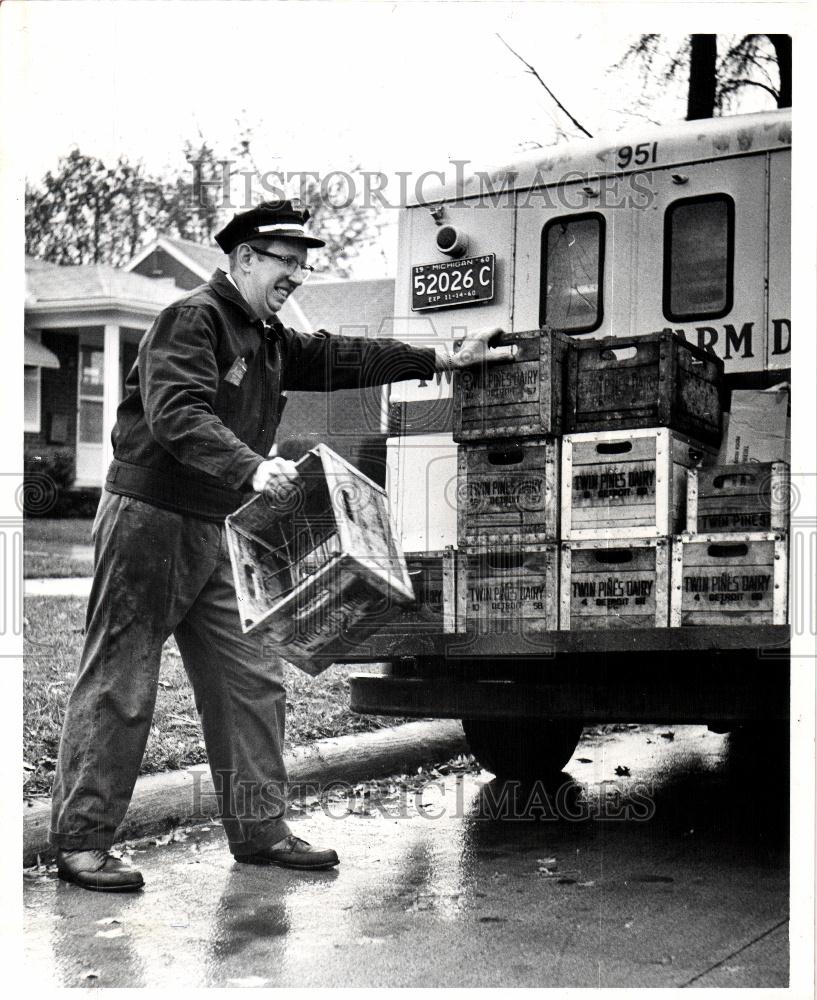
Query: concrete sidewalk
point(174, 797)
point(57, 586)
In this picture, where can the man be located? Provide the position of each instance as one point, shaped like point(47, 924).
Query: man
point(192, 436)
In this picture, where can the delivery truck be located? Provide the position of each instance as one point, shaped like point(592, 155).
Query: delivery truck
point(599, 530)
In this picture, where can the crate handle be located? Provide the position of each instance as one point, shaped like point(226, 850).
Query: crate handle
point(347, 505)
point(624, 353)
point(504, 560)
point(725, 551)
point(614, 447)
point(506, 456)
point(614, 556)
point(721, 482)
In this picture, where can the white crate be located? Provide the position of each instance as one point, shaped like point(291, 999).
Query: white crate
point(317, 567)
point(627, 484)
point(614, 583)
point(729, 579)
point(754, 496)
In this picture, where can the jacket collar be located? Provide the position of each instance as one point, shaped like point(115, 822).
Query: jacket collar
point(222, 285)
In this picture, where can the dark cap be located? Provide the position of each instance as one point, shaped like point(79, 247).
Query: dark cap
point(269, 220)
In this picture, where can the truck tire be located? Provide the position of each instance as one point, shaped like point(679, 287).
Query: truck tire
point(522, 749)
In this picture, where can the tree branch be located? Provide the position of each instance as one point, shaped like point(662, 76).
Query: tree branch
point(553, 97)
point(733, 85)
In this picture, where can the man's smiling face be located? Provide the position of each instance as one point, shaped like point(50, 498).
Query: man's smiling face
point(267, 282)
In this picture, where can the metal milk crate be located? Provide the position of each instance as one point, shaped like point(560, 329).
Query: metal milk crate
point(729, 579)
point(519, 398)
point(748, 497)
point(317, 566)
point(627, 484)
point(618, 583)
point(655, 380)
point(508, 590)
point(508, 492)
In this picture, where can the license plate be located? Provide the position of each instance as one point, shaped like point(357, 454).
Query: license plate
point(453, 282)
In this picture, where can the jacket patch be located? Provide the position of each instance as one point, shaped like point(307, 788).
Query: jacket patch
point(237, 371)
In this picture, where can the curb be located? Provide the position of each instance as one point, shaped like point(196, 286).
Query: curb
point(174, 797)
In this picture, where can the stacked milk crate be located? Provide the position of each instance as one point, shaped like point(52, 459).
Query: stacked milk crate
point(731, 564)
point(508, 420)
point(641, 415)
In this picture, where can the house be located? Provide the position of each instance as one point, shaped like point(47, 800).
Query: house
point(83, 324)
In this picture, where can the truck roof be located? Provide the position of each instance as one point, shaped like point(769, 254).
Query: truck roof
point(679, 143)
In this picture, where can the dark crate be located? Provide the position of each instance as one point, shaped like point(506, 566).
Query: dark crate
point(508, 492)
point(509, 590)
point(317, 567)
point(519, 398)
point(433, 579)
point(730, 579)
point(748, 497)
point(620, 583)
point(656, 380)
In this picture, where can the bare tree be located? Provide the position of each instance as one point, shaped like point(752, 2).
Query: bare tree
point(748, 61)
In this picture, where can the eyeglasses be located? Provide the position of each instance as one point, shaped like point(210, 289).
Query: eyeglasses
point(292, 264)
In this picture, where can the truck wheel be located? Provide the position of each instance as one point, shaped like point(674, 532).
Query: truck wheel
point(522, 749)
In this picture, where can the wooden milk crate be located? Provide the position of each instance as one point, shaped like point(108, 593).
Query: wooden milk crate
point(626, 484)
point(520, 398)
point(509, 590)
point(317, 567)
point(748, 497)
point(620, 583)
point(656, 380)
point(433, 577)
point(728, 579)
point(507, 491)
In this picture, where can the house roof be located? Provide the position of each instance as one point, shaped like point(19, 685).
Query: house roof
point(53, 286)
point(349, 306)
point(200, 259)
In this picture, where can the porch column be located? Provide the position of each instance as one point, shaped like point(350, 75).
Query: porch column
point(110, 392)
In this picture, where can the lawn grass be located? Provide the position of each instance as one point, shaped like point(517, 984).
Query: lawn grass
point(65, 530)
point(47, 547)
point(53, 636)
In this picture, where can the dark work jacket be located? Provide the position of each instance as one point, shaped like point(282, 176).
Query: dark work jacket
point(204, 398)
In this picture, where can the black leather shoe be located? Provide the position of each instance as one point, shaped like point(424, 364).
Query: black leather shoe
point(292, 852)
point(98, 870)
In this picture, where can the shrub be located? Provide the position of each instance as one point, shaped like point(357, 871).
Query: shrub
point(47, 473)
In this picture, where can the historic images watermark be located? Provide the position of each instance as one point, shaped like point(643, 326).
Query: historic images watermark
point(222, 184)
point(434, 800)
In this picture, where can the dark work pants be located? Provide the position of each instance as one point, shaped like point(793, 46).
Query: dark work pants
point(158, 573)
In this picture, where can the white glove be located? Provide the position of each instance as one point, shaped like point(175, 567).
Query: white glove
point(273, 475)
point(473, 350)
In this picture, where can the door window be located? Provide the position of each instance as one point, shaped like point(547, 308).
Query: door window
point(572, 273)
point(699, 241)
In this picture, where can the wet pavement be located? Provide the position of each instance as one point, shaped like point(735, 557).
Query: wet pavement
point(664, 863)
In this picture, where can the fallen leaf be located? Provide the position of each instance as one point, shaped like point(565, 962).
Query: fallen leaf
point(622, 771)
point(667, 736)
point(585, 760)
point(92, 974)
point(114, 933)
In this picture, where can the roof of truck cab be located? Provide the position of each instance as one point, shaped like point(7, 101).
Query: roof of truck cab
point(582, 159)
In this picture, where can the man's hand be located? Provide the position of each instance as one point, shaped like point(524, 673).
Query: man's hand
point(275, 476)
point(473, 350)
